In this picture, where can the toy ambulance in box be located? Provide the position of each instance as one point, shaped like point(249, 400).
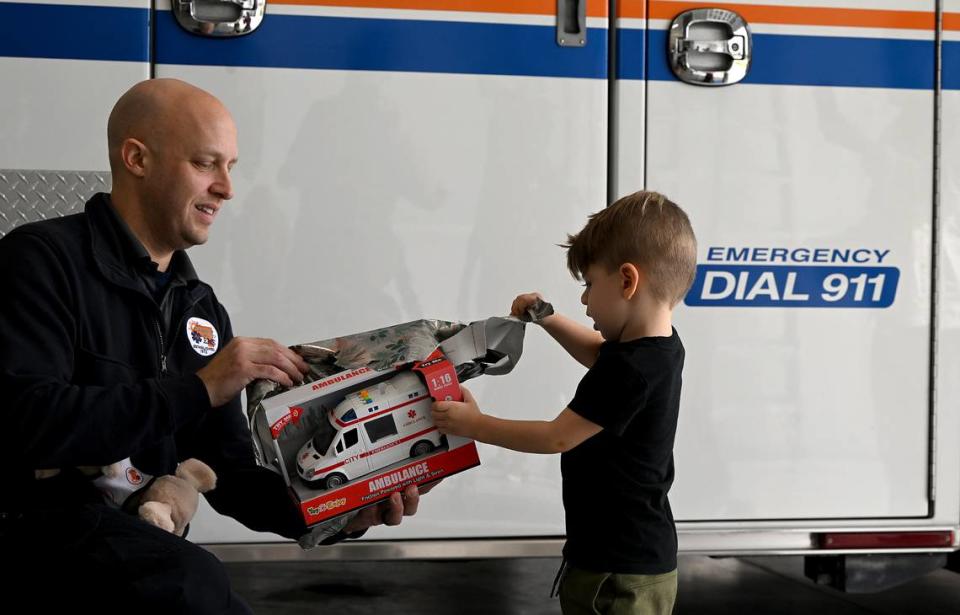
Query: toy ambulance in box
point(351, 439)
point(370, 429)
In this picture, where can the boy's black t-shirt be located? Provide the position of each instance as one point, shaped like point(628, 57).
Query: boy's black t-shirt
point(615, 484)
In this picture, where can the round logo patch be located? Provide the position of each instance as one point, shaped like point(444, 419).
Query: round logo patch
point(134, 477)
point(202, 336)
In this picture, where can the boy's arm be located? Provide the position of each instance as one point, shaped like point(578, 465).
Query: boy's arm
point(560, 435)
point(582, 343)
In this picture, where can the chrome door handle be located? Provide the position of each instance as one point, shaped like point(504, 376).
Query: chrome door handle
point(219, 18)
point(571, 23)
point(709, 47)
point(734, 47)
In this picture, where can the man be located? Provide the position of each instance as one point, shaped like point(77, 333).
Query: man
point(97, 366)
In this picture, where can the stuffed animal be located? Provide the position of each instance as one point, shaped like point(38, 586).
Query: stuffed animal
point(170, 501)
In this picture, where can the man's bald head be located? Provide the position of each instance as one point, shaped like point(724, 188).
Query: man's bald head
point(154, 110)
point(172, 147)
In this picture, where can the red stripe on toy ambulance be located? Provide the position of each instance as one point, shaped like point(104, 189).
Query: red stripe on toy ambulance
point(373, 452)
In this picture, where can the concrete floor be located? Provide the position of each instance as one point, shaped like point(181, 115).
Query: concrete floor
point(521, 586)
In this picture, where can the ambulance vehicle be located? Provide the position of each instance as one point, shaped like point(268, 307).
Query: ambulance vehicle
point(370, 429)
point(404, 159)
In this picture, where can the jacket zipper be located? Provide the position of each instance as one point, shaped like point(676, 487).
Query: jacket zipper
point(162, 349)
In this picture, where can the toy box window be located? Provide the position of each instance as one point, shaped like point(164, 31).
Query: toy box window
point(349, 416)
point(380, 428)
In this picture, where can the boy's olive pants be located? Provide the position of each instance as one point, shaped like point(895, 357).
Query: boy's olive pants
point(603, 593)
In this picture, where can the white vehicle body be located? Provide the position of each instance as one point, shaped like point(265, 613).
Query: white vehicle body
point(446, 147)
point(370, 429)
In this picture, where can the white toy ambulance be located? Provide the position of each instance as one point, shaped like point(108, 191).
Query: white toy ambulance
point(368, 430)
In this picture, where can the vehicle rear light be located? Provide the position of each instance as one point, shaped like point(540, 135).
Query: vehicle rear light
point(885, 540)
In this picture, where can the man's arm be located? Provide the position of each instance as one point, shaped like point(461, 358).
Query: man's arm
point(568, 430)
point(66, 406)
point(261, 500)
point(582, 343)
point(51, 417)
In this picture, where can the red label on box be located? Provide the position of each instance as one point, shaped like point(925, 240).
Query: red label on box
point(440, 377)
point(293, 416)
point(379, 485)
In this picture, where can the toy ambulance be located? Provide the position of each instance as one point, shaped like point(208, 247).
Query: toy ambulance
point(368, 430)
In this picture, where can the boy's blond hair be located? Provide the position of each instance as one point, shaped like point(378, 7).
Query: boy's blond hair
point(647, 230)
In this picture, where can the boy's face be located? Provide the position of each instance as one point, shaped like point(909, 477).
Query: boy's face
point(603, 295)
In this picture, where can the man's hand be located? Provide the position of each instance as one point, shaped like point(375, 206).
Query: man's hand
point(390, 511)
point(523, 303)
point(460, 418)
point(245, 359)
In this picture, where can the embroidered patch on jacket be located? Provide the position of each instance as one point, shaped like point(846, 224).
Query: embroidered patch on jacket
point(203, 336)
point(134, 477)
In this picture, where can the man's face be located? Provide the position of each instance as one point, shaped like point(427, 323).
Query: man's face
point(189, 176)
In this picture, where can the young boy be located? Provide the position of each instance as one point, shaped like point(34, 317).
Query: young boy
point(637, 259)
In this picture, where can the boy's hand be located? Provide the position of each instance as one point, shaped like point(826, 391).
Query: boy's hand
point(460, 418)
point(523, 303)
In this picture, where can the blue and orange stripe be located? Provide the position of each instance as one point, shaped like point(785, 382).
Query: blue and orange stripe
point(794, 15)
point(470, 47)
point(595, 8)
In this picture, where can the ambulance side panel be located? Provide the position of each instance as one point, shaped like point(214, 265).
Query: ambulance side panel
point(62, 66)
point(804, 400)
point(404, 163)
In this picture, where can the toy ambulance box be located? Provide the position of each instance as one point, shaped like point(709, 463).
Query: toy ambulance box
point(348, 439)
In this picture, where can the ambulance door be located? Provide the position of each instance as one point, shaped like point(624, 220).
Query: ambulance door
point(403, 160)
point(947, 448)
point(63, 64)
point(808, 178)
point(349, 447)
point(384, 441)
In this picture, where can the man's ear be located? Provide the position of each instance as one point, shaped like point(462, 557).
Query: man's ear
point(134, 155)
point(630, 280)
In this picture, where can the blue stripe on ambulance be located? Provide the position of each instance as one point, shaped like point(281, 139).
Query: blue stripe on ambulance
point(950, 75)
point(338, 43)
point(74, 32)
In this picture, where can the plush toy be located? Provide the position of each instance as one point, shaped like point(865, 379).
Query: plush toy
point(171, 500)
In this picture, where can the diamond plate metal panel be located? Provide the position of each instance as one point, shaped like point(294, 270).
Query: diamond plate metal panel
point(31, 195)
